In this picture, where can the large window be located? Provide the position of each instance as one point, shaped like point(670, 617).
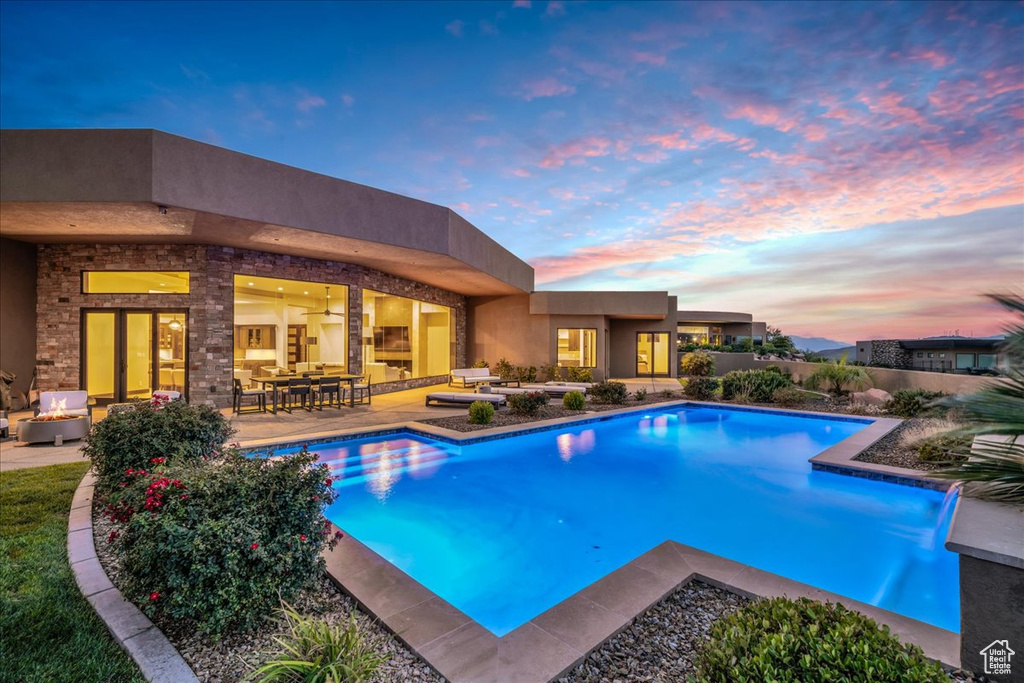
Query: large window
point(405, 338)
point(577, 348)
point(289, 325)
point(964, 361)
point(986, 360)
point(135, 282)
point(700, 334)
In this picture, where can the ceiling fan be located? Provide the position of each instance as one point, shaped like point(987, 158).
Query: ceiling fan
point(327, 312)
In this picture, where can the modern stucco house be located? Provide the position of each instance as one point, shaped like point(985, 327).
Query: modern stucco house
point(135, 260)
point(934, 354)
point(718, 328)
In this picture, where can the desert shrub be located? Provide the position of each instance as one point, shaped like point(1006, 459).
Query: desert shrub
point(219, 543)
point(913, 402)
point(580, 374)
point(774, 368)
point(701, 388)
point(551, 372)
point(481, 412)
point(945, 448)
point(505, 369)
point(640, 394)
point(574, 400)
point(609, 392)
point(754, 385)
point(697, 364)
point(526, 374)
point(481, 364)
point(314, 650)
point(838, 377)
point(528, 403)
point(789, 397)
point(802, 640)
point(176, 432)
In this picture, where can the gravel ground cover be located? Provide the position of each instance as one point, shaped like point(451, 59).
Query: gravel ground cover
point(662, 644)
point(898, 447)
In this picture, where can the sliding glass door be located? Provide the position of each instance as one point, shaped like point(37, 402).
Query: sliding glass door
point(652, 354)
point(130, 353)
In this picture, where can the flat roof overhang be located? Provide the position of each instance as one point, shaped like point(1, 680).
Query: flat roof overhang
point(621, 305)
point(929, 344)
point(713, 317)
point(108, 186)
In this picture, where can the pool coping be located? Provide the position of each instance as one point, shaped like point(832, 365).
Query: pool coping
point(153, 653)
point(555, 641)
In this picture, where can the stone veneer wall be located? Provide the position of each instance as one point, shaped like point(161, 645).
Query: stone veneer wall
point(889, 352)
point(210, 304)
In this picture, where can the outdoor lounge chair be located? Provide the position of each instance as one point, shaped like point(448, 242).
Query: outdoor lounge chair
point(470, 377)
point(463, 398)
point(549, 389)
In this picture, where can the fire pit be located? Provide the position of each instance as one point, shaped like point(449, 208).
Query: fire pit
point(55, 426)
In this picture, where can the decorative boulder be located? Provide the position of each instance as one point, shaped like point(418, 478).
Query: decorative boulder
point(871, 397)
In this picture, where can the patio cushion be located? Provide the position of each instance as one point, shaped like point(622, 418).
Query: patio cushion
point(462, 397)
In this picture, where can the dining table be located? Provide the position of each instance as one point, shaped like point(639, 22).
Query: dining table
point(276, 382)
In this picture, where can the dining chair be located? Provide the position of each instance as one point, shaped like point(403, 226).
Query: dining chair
point(361, 391)
point(300, 390)
point(239, 393)
point(329, 390)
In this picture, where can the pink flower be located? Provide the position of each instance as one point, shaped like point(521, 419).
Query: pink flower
point(255, 545)
point(154, 595)
point(302, 537)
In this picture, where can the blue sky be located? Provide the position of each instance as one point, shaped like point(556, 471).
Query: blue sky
point(851, 170)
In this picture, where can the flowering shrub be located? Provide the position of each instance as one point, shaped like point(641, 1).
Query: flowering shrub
point(221, 542)
point(131, 439)
point(528, 403)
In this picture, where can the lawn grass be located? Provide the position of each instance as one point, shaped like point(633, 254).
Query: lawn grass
point(48, 632)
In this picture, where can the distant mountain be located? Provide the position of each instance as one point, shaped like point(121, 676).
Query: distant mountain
point(836, 354)
point(817, 343)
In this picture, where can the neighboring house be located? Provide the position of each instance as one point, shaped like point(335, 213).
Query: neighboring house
point(718, 328)
point(934, 354)
point(135, 260)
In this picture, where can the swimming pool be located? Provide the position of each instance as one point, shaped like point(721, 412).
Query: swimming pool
point(504, 529)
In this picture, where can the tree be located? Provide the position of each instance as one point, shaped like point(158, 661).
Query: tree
point(837, 377)
point(774, 337)
point(994, 466)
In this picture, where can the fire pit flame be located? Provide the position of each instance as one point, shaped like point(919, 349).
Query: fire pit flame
point(56, 412)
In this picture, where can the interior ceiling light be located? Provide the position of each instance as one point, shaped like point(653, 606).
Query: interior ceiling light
point(174, 325)
point(252, 284)
point(305, 292)
point(280, 289)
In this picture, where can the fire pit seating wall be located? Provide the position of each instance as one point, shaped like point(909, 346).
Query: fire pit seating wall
point(468, 377)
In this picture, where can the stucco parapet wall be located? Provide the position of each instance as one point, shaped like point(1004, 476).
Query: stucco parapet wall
point(988, 531)
point(652, 305)
point(713, 317)
point(107, 184)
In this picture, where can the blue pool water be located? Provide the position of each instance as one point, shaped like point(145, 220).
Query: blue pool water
point(505, 529)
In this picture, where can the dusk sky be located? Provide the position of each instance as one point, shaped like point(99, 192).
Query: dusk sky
point(848, 170)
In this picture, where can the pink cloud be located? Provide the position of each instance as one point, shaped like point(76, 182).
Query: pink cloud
point(309, 103)
point(455, 28)
point(545, 87)
point(556, 8)
point(522, 173)
point(585, 260)
point(649, 58)
point(575, 149)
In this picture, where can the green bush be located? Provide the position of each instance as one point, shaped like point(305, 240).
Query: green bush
point(527, 404)
point(526, 374)
point(789, 397)
point(134, 438)
point(913, 402)
point(697, 364)
point(754, 385)
point(551, 372)
point(701, 388)
point(609, 392)
point(640, 394)
point(313, 650)
point(945, 448)
point(505, 369)
point(838, 377)
point(580, 374)
point(574, 400)
point(481, 364)
point(219, 543)
point(801, 640)
point(481, 412)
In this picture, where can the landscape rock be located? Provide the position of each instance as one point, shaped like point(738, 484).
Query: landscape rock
point(871, 397)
